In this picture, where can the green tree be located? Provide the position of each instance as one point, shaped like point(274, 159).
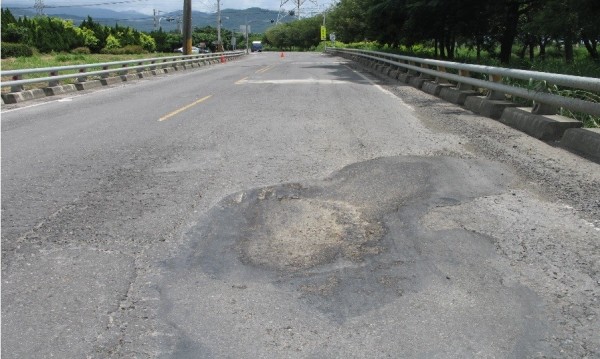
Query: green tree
point(100, 31)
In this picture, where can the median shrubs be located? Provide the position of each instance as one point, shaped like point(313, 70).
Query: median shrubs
point(15, 50)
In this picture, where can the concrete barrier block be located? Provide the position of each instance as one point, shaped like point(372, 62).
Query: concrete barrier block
point(417, 81)
point(585, 141)
point(454, 95)
point(88, 85)
point(405, 77)
point(129, 77)
point(488, 108)
point(59, 90)
point(12, 97)
point(434, 88)
point(16, 97)
point(110, 80)
point(545, 128)
point(157, 71)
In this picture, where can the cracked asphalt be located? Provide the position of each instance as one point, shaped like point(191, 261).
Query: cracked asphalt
point(296, 207)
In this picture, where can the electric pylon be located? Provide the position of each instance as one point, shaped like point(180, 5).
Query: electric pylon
point(39, 7)
point(285, 8)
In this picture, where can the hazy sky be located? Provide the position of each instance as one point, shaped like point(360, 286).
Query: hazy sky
point(147, 6)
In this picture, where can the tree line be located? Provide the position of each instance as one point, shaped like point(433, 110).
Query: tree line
point(53, 34)
point(494, 26)
point(491, 25)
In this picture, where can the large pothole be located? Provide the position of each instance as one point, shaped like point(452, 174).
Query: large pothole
point(296, 234)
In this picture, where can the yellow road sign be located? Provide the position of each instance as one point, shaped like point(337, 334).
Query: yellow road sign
point(323, 33)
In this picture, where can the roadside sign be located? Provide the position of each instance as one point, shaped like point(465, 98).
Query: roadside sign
point(332, 37)
point(323, 33)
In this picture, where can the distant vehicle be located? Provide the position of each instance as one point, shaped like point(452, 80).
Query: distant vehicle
point(195, 50)
point(256, 46)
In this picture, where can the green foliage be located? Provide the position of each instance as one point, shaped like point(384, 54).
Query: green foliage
point(89, 37)
point(484, 26)
point(81, 50)
point(15, 50)
point(111, 43)
point(52, 34)
point(129, 49)
point(298, 35)
point(15, 33)
point(69, 57)
point(147, 42)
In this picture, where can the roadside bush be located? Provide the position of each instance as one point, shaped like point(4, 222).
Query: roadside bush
point(69, 57)
point(125, 50)
point(15, 50)
point(81, 50)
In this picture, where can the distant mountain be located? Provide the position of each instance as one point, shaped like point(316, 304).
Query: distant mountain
point(18, 7)
point(259, 19)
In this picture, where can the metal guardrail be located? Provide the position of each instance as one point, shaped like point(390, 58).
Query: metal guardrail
point(107, 68)
point(544, 101)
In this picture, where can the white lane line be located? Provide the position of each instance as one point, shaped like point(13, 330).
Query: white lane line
point(293, 81)
point(381, 88)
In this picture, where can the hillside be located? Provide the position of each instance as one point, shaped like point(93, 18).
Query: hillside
point(232, 19)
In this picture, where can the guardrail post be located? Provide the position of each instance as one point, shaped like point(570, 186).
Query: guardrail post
point(495, 95)
point(441, 80)
point(82, 78)
point(542, 108)
point(140, 70)
point(410, 71)
point(424, 75)
point(152, 65)
point(105, 76)
point(123, 72)
point(53, 82)
point(463, 86)
point(16, 88)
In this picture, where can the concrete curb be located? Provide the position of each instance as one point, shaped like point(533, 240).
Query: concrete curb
point(88, 85)
point(110, 81)
point(488, 108)
point(456, 96)
point(434, 88)
point(584, 141)
point(405, 77)
point(59, 90)
point(16, 97)
point(417, 81)
point(545, 128)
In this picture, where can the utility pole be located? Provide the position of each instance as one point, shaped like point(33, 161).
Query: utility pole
point(247, 35)
point(219, 42)
point(187, 27)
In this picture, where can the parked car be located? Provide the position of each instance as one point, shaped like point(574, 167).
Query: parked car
point(195, 50)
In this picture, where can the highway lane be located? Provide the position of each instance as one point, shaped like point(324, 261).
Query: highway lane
point(292, 206)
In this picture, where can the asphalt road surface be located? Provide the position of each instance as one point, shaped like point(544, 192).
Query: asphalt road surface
point(291, 207)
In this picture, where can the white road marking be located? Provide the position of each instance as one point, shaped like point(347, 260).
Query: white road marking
point(382, 89)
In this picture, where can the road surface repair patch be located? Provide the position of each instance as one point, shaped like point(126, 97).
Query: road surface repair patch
point(362, 241)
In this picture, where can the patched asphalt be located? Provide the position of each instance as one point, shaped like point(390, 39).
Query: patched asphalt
point(360, 245)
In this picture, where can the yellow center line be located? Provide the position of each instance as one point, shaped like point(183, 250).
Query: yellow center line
point(239, 82)
point(264, 69)
point(166, 117)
